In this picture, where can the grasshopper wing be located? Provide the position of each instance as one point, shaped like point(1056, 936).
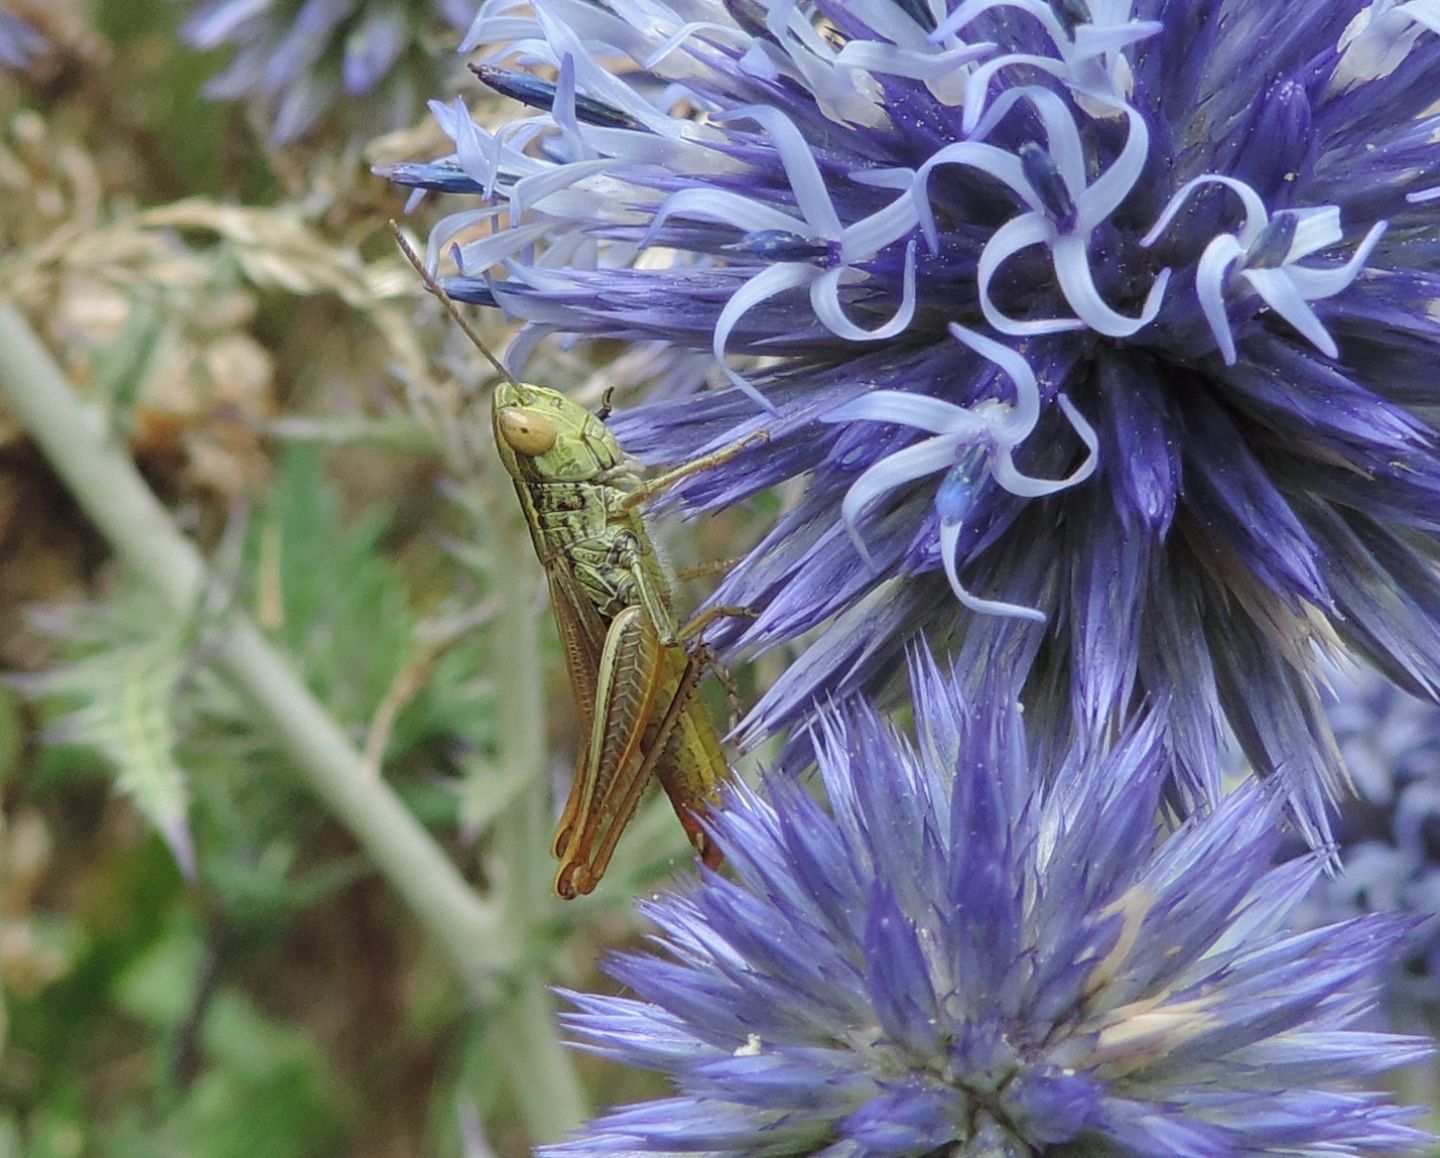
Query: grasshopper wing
point(583, 633)
point(615, 767)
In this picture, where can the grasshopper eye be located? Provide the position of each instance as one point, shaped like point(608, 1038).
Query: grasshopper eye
point(525, 431)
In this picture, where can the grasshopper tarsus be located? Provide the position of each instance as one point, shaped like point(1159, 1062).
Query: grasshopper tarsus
point(605, 408)
point(695, 628)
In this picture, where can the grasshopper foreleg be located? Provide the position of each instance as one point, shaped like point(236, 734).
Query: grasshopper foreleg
point(648, 489)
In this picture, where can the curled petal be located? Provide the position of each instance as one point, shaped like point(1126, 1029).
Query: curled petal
point(978, 119)
point(1255, 213)
point(562, 111)
point(893, 60)
point(1104, 195)
point(932, 415)
point(1006, 475)
point(1026, 411)
point(949, 542)
point(806, 180)
point(497, 247)
point(531, 191)
point(451, 226)
point(1021, 233)
point(904, 466)
point(1072, 270)
point(768, 283)
point(825, 299)
point(1210, 276)
point(1000, 164)
point(745, 213)
point(1062, 139)
point(1092, 41)
point(684, 33)
point(897, 177)
point(970, 9)
point(1284, 297)
point(869, 235)
point(1325, 283)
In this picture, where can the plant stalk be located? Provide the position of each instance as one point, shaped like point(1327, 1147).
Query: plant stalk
point(107, 485)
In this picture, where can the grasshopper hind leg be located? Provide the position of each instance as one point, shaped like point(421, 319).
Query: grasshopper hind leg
point(616, 767)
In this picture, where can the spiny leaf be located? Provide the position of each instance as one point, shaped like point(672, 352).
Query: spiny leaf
point(122, 696)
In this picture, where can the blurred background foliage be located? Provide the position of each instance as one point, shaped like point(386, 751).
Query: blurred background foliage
point(195, 958)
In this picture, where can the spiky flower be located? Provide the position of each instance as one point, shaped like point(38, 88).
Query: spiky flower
point(1389, 834)
point(298, 60)
point(971, 955)
point(1102, 331)
point(20, 42)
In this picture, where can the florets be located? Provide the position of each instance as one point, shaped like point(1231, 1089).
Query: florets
point(1102, 332)
point(972, 955)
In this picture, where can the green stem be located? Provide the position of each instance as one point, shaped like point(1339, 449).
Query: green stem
point(106, 484)
point(542, 1072)
point(540, 1068)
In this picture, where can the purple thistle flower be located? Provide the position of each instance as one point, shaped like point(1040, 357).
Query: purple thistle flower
point(1389, 835)
point(971, 955)
point(20, 43)
point(296, 60)
point(1102, 331)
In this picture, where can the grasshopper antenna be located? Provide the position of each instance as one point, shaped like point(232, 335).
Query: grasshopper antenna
point(438, 291)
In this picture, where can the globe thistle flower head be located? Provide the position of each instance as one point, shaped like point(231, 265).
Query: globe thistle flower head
point(20, 43)
point(1388, 834)
point(299, 60)
point(1100, 330)
point(965, 957)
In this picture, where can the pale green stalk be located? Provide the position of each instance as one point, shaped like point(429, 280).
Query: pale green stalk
point(106, 484)
point(541, 1071)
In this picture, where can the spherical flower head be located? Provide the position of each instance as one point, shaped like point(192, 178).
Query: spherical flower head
point(297, 61)
point(1103, 332)
point(21, 44)
point(1388, 834)
point(967, 955)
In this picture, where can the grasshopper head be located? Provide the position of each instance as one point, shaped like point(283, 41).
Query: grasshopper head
point(544, 437)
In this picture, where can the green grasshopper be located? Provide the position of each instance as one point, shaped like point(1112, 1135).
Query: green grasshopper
point(631, 673)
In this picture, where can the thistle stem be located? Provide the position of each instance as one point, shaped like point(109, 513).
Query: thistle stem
point(542, 1073)
point(104, 481)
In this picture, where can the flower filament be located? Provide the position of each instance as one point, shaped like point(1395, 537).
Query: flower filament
point(1262, 255)
point(1089, 42)
point(1064, 211)
point(1380, 38)
point(819, 226)
point(971, 444)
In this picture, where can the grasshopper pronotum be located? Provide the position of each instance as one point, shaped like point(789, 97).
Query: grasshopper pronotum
point(631, 673)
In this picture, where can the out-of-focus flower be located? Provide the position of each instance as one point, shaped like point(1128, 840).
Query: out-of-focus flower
point(1103, 332)
point(1389, 834)
point(977, 956)
point(297, 60)
point(20, 42)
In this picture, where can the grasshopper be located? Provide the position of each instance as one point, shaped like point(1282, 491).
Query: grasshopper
point(633, 671)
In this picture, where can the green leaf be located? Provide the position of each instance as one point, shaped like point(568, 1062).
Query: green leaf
point(326, 588)
point(127, 658)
